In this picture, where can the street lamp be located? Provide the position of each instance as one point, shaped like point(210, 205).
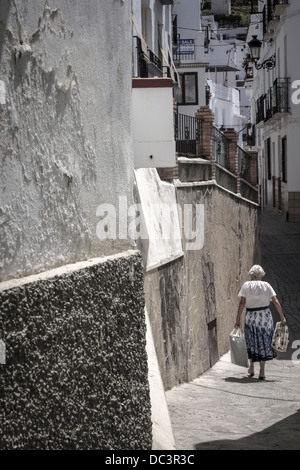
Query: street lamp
point(255, 48)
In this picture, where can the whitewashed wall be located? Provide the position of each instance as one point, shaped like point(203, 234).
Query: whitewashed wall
point(65, 137)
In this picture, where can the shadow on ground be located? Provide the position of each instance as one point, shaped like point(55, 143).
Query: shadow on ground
point(246, 380)
point(284, 435)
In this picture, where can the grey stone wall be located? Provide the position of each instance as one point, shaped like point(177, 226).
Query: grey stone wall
point(192, 302)
point(76, 366)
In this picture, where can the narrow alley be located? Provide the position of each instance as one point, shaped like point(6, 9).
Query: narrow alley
point(224, 409)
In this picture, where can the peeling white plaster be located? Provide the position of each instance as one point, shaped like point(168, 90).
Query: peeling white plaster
point(65, 137)
point(160, 217)
point(2, 92)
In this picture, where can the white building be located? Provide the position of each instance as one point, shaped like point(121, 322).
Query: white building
point(209, 61)
point(152, 39)
point(154, 75)
point(275, 105)
point(189, 57)
point(225, 75)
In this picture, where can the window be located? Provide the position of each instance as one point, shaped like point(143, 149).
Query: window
point(284, 159)
point(188, 93)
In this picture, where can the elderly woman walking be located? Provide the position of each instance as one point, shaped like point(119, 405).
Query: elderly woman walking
point(256, 296)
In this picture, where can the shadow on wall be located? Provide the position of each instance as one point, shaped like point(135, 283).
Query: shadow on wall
point(5, 6)
point(284, 435)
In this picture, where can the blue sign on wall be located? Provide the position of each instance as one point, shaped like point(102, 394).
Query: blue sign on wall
point(186, 46)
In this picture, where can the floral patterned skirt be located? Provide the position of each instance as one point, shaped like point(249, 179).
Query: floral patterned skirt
point(259, 329)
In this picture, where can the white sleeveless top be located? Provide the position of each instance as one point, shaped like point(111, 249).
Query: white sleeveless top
point(257, 293)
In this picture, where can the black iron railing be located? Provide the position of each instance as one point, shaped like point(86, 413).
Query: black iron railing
point(145, 66)
point(269, 108)
point(243, 164)
point(187, 134)
point(270, 12)
point(267, 15)
point(139, 62)
point(189, 141)
point(220, 147)
point(275, 101)
point(155, 60)
point(280, 98)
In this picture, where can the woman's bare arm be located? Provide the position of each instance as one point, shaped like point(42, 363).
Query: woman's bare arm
point(240, 311)
point(279, 309)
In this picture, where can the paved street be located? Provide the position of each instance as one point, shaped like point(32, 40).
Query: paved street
point(224, 408)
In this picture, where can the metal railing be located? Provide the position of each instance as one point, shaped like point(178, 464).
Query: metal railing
point(155, 60)
point(220, 147)
point(189, 141)
point(271, 11)
point(244, 164)
point(142, 67)
point(280, 97)
point(275, 101)
point(267, 14)
point(187, 134)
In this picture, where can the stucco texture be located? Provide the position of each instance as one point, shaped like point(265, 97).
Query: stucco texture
point(192, 302)
point(76, 372)
point(65, 138)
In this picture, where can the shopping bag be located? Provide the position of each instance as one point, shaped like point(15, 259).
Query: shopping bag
point(238, 350)
point(280, 338)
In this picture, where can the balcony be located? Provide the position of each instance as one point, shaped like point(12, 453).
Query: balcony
point(280, 96)
point(272, 13)
point(155, 64)
point(146, 64)
point(280, 7)
point(275, 103)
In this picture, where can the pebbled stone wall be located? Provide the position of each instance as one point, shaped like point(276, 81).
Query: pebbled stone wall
point(76, 367)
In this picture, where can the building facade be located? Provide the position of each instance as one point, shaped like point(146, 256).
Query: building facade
point(154, 75)
point(209, 62)
point(82, 139)
point(225, 76)
point(152, 39)
point(189, 57)
point(275, 111)
point(70, 282)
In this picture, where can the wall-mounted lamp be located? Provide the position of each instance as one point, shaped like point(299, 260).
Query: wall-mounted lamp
point(255, 48)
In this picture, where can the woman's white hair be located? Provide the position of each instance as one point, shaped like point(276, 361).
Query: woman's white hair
point(256, 272)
